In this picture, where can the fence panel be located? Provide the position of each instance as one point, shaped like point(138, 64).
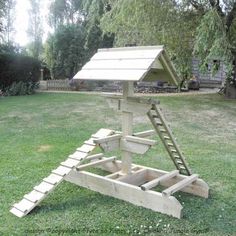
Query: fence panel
point(58, 85)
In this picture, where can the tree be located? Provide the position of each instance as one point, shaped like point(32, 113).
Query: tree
point(8, 25)
point(216, 35)
point(141, 22)
point(65, 52)
point(35, 30)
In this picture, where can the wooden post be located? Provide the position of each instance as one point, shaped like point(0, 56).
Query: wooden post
point(127, 122)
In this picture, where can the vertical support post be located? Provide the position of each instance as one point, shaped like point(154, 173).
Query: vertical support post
point(127, 129)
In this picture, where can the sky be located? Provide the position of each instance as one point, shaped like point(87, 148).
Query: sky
point(21, 21)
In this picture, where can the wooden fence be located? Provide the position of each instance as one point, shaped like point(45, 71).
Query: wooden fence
point(55, 85)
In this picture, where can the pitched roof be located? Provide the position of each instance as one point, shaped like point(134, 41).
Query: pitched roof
point(147, 63)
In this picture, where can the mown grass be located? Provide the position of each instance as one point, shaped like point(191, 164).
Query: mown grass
point(38, 132)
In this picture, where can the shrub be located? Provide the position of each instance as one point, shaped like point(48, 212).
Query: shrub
point(21, 88)
point(18, 74)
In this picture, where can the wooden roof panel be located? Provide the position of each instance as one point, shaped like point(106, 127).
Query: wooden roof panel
point(129, 64)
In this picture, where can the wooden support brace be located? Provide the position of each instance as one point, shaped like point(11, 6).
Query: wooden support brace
point(180, 185)
point(156, 181)
point(95, 163)
point(144, 134)
point(140, 140)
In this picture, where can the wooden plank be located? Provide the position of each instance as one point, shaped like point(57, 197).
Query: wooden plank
point(44, 187)
point(180, 185)
point(70, 163)
point(131, 48)
point(78, 155)
point(109, 138)
point(137, 108)
point(127, 127)
point(155, 182)
point(140, 140)
point(133, 194)
point(95, 163)
point(111, 145)
point(145, 133)
point(127, 54)
point(102, 133)
point(115, 64)
point(132, 147)
point(17, 212)
point(94, 157)
point(90, 142)
point(61, 170)
point(118, 75)
point(24, 205)
point(34, 196)
point(86, 148)
point(53, 179)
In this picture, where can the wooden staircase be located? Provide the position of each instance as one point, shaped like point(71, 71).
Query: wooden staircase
point(160, 125)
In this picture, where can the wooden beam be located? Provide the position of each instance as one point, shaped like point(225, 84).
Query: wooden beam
point(153, 183)
point(140, 140)
point(94, 157)
point(95, 163)
point(144, 134)
point(180, 185)
point(130, 193)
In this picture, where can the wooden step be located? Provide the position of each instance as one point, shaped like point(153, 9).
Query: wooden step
point(17, 212)
point(70, 163)
point(156, 181)
point(167, 137)
point(78, 155)
point(44, 187)
point(53, 179)
point(180, 185)
point(62, 171)
point(34, 196)
point(90, 142)
point(86, 148)
point(24, 205)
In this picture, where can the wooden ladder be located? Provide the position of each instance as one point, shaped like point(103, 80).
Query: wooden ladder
point(160, 125)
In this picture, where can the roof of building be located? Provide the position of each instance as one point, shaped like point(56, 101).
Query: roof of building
point(146, 63)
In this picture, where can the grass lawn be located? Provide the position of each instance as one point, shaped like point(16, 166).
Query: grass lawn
point(38, 132)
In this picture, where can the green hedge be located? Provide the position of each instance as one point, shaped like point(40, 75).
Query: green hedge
point(18, 70)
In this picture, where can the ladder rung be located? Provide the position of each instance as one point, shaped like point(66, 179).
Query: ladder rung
point(163, 130)
point(173, 150)
point(153, 183)
point(176, 156)
point(159, 123)
point(179, 162)
point(155, 116)
point(180, 185)
point(170, 144)
point(167, 137)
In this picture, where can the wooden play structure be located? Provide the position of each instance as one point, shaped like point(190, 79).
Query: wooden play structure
point(125, 180)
